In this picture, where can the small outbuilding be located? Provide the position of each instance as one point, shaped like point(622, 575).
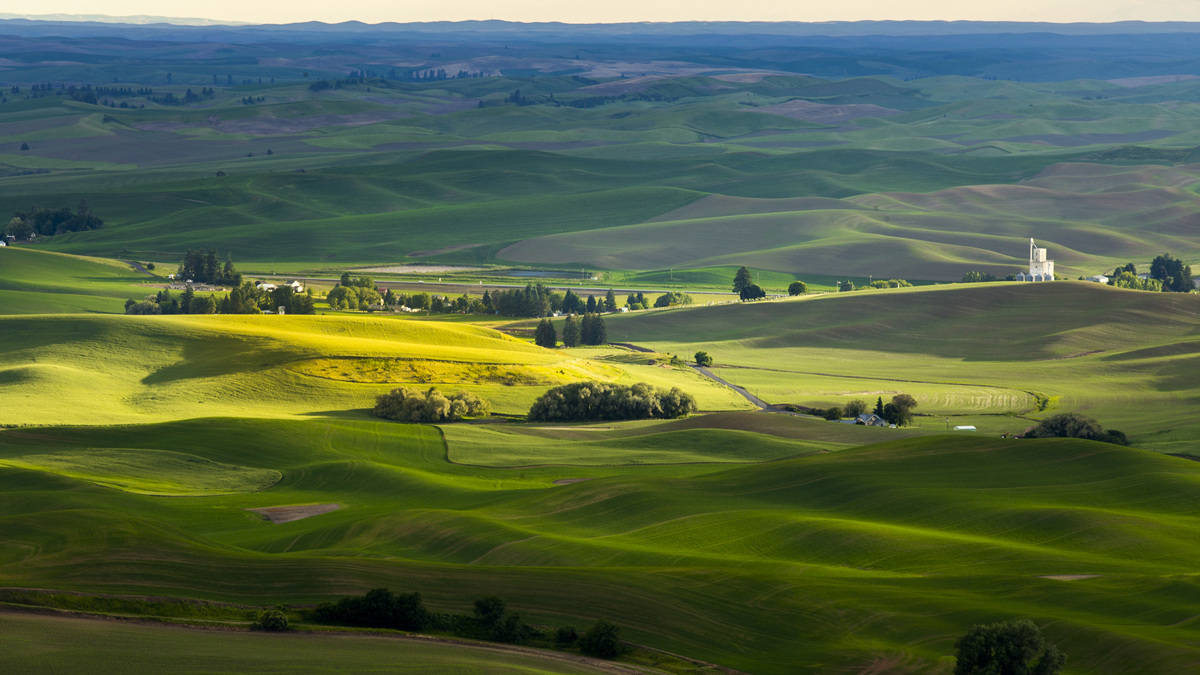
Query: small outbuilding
point(1099, 279)
point(965, 427)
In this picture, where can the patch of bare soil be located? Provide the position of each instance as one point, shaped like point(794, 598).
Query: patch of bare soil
point(746, 78)
point(439, 251)
point(1070, 577)
point(824, 113)
point(569, 481)
point(420, 269)
point(286, 514)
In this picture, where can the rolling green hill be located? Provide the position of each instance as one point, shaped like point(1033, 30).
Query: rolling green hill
point(118, 369)
point(37, 282)
point(921, 180)
point(828, 561)
point(974, 354)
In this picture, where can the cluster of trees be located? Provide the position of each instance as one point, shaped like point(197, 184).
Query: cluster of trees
point(189, 97)
point(573, 304)
point(744, 286)
point(1006, 648)
point(1174, 275)
point(890, 283)
point(590, 401)
point(352, 297)
point(1074, 425)
point(590, 330)
point(797, 288)
point(587, 331)
point(379, 608)
point(898, 411)
point(672, 299)
point(436, 75)
point(703, 359)
point(244, 299)
point(412, 405)
point(1126, 277)
point(490, 619)
point(533, 300)
point(635, 301)
point(203, 267)
point(46, 222)
point(974, 277)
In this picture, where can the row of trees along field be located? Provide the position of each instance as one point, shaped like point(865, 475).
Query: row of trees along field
point(490, 619)
point(46, 222)
point(898, 411)
point(245, 299)
point(590, 330)
point(744, 286)
point(597, 401)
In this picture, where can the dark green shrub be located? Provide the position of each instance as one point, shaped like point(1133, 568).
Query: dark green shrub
point(603, 639)
point(272, 620)
point(586, 401)
point(567, 635)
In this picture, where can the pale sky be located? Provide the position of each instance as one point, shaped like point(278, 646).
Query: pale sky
point(613, 11)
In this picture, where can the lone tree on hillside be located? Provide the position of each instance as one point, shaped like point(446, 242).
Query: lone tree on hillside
point(545, 336)
point(797, 288)
point(1006, 648)
point(741, 280)
point(703, 359)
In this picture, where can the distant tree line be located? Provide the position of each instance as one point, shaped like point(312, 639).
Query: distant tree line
point(46, 222)
point(412, 405)
point(490, 619)
point(595, 401)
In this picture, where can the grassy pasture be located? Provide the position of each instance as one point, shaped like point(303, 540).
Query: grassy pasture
point(33, 643)
point(1125, 357)
point(829, 560)
point(118, 369)
point(39, 282)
